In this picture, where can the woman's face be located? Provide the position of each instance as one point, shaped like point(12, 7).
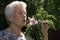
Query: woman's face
point(20, 17)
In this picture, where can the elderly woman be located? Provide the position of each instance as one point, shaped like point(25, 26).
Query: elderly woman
point(15, 13)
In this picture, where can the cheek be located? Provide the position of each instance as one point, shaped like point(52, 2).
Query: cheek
point(18, 18)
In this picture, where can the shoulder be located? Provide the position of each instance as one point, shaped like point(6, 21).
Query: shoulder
point(4, 35)
point(1, 35)
point(3, 32)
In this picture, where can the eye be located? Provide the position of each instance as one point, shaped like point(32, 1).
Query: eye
point(25, 13)
point(20, 13)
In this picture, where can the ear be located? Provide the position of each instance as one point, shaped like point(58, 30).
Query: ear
point(10, 18)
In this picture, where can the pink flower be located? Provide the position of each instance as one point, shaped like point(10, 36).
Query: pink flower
point(33, 21)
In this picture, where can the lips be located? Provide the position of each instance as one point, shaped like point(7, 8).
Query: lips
point(24, 20)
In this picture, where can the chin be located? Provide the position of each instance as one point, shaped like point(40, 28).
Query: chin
point(23, 24)
point(23, 29)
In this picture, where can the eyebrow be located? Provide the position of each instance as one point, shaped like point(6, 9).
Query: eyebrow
point(24, 12)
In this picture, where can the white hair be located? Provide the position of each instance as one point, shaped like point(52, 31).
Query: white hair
point(10, 8)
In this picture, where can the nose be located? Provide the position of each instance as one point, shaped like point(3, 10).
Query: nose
point(24, 15)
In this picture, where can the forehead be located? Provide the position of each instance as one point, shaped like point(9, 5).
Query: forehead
point(20, 9)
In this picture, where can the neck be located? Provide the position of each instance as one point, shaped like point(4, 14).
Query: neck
point(15, 30)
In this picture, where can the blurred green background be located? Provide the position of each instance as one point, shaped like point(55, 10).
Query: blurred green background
point(33, 7)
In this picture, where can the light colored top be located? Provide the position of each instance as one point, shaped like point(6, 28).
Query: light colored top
point(5, 35)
